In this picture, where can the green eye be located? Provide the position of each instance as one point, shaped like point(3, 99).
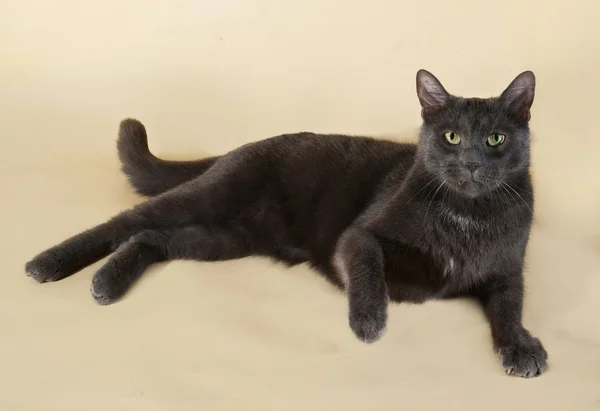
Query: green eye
point(495, 139)
point(452, 138)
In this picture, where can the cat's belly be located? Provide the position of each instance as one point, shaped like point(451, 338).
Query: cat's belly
point(411, 293)
point(414, 276)
point(288, 255)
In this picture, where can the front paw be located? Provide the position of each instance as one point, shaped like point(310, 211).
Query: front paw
point(46, 266)
point(368, 320)
point(524, 359)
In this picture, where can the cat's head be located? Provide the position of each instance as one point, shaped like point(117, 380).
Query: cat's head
point(475, 145)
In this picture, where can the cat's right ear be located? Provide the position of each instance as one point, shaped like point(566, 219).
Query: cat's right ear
point(432, 94)
point(518, 96)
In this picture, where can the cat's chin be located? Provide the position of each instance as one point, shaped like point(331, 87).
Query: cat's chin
point(468, 188)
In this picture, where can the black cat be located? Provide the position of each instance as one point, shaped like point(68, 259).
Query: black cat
point(448, 217)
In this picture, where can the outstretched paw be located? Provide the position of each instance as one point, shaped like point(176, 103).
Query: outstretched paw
point(118, 274)
point(47, 266)
point(106, 288)
point(111, 281)
point(524, 359)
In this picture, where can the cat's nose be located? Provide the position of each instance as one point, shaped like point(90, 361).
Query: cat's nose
point(472, 165)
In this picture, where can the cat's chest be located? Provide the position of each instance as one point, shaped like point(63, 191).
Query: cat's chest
point(449, 249)
point(463, 247)
point(462, 226)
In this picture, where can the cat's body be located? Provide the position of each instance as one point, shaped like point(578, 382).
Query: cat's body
point(292, 195)
point(295, 194)
point(381, 219)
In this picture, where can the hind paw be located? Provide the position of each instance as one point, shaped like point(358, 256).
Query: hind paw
point(47, 266)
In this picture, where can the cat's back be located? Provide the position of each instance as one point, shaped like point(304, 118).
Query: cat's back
point(330, 151)
point(341, 165)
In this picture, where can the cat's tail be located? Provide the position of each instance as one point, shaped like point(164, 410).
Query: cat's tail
point(148, 174)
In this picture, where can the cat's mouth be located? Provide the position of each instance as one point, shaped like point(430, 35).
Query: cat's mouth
point(469, 184)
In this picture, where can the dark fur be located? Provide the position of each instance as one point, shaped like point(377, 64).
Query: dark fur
point(383, 220)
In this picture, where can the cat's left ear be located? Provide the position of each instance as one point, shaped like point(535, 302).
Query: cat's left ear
point(518, 96)
point(432, 95)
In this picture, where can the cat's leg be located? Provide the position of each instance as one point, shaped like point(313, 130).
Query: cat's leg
point(195, 242)
point(121, 270)
point(360, 264)
point(521, 354)
point(209, 198)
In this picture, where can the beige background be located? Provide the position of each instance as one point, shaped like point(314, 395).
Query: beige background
point(207, 76)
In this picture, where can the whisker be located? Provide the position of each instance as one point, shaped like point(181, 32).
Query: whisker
point(433, 197)
point(522, 199)
point(428, 194)
point(446, 192)
point(506, 200)
point(417, 193)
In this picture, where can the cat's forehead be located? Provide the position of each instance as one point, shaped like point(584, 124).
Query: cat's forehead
point(475, 115)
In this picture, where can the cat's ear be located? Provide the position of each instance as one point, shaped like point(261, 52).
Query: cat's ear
point(518, 96)
point(432, 94)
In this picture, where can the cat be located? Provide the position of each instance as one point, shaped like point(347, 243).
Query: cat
point(447, 217)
